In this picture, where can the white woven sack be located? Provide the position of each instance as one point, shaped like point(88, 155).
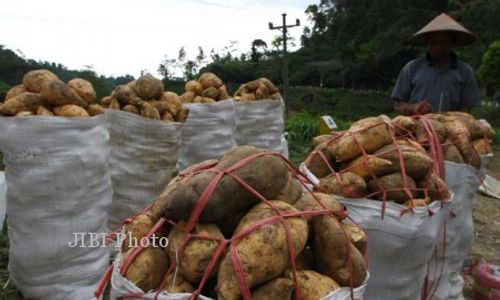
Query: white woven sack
point(58, 184)
point(3, 200)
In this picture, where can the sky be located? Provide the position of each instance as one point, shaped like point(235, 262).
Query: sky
point(118, 37)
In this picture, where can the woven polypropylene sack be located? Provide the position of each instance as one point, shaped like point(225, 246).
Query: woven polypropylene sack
point(208, 132)
point(463, 180)
point(3, 200)
point(144, 153)
point(58, 184)
point(260, 124)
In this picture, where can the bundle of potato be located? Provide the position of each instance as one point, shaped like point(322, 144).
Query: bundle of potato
point(377, 159)
point(43, 94)
point(207, 89)
point(258, 89)
point(294, 246)
point(146, 97)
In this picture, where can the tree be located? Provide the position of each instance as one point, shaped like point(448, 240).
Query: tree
point(489, 71)
point(257, 44)
point(166, 68)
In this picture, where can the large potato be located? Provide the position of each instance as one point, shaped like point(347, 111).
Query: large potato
point(370, 133)
point(95, 109)
point(24, 102)
point(473, 125)
point(178, 284)
point(460, 137)
point(149, 111)
point(71, 111)
point(422, 135)
point(148, 88)
point(482, 146)
point(435, 186)
point(317, 165)
point(106, 101)
point(262, 92)
point(368, 166)
point(182, 115)
point(357, 236)
point(276, 289)
point(211, 92)
point(198, 252)
point(57, 93)
point(269, 85)
point(33, 81)
point(136, 230)
point(15, 91)
point(451, 152)
point(404, 125)
point(168, 117)
point(194, 87)
point(292, 191)
point(125, 95)
point(417, 164)
point(223, 94)
point(42, 111)
point(393, 185)
point(264, 252)
point(316, 201)
point(267, 174)
point(188, 97)
point(312, 285)
point(83, 88)
point(174, 102)
point(210, 80)
point(320, 139)
point(350, 185)
point(148, 268)
point(131, 109)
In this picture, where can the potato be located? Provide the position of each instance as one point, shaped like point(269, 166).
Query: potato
point(125, 95)
point(167, 117)
point(114, 104)
point(223, 94)
point(311, 201)
point(188, 97)
point(368, 166)
point(347, 185)
point(42, 111)
point(106, 101)
point(411, 144)
point(194, 87)
point(393, 185)
point(148, 88)
point(182, 115)
point(422, 135)
point(57, 93)
point(451, 152)
point(357, 236)
point(248, 97)
point(148, 268)
point(276, 289)
point(482, 146)
point(487, 130)
point(413, 203)
point(210, 80)
point(33, 81)
point(417, 164)
point(178, 284)
point(269, 85)
point(473, 126)
point(131, 109)
point(292, 191)
point(312, 285)
point(404, 125)
point(276, 96)
point(15, 91)
point(149, 111)
point(436, 188)
point(136, 230)
point(241, 90)
point(211, 92)
point(459, 136)
point(24, 114)
point(262, 92)
point(83, 88)
point(198, 252)
point(161, 106)
point(24, 102)
point(174, 102)
point(70, 110)
point(267, 175)
point(95, 109)
point(320, 139)
point(317, 165)
point(371, 133)
point(264, 252)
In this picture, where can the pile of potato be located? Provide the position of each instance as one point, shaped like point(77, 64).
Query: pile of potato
point(258, 89)
point(463, 138)
point(207, 89)
point(320, 244)
point(146, 97)
point(369, 161)
point(43, 94)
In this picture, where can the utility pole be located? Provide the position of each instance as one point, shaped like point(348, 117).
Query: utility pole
point(284, 29)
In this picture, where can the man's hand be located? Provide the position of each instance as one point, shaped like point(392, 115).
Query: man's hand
point(407, 109)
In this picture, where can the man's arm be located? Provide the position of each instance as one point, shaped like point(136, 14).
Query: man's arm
point(407, 109)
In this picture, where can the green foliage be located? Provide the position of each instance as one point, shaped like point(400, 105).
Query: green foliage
point(489, 71)
point(4, 88)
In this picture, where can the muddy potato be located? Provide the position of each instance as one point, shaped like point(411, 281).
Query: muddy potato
point(312, 285)
point(482, 146)
point(131, 109)
point(148, 87)
point(70, 110)
point(149, 111)
point(106, 101)
point(83, 88)
point(174, 102)
point(57, 93)
point(188, 97)
point(125, 95)
point(417, 164)
point(347, 185)
point(114, 104)
point(95, 109)
point(178, 284)
point(393, 185)
point(292, 191)
point(15, 91)
point(276, 96)
point(223, 94)
point(368, 166)
point(435, 186)
point(248, 97)
point(357, 236)
point(161, 106)
point(473, 125)
point(276, 289)
point(269, 85)
point(148, 268)
point(320, 139)
point(262, 92)
point(194, 87)
point(422, 135)
point(207, 100)
point(404, 125)
point(319, 165)
point(33, 81)
point(460, 137)
point(211, 92)
point(167, 117)
point(198, 252)
point(267, 174)
point(24, 102)
point(263, 252)
point(42, 111)
point(451, 152)
point(410, 143)
point(136, 230)
point(182, 115)
point(210, 80)
point(311, 201)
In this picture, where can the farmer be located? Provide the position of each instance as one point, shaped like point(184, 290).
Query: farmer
point(440, 81)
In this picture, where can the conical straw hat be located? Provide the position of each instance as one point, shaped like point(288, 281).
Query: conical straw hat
point(443, 23)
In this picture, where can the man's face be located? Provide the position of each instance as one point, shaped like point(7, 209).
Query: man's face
point(439, 46)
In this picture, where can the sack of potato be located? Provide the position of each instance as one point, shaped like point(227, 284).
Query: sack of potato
point(43, 94)
point(208, 89)
point(259, 89)
point(59, 191)
point(392, 188)
point(240, 228)
point(144, 154)
point(465, 145)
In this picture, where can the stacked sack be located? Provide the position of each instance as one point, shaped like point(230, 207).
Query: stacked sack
point(146, 97)
point(228, 240)
point(43, 94)
point(393, 189)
